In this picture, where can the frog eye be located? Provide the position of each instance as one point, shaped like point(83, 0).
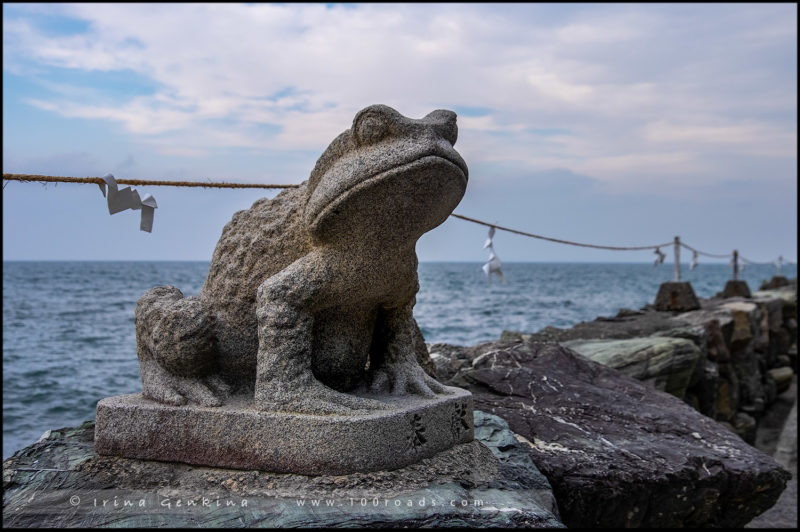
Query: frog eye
point(371, 128)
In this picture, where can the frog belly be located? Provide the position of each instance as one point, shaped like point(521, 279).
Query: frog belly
point(341, 350)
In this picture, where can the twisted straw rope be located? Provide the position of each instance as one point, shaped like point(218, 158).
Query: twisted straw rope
point(99, 181)
point(569, 242)
point(690, 248)
point(214, 184)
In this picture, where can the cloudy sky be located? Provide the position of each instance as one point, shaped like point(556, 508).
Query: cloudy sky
point(618, 124)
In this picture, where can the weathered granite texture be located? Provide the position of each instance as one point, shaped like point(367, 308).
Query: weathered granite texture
point(309, 296)
point(306, 310)
point(676, 296)
point(237, 436)
point(61, 482)
point(618, 452)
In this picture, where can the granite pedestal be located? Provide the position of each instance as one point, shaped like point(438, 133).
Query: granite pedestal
point(237, 436)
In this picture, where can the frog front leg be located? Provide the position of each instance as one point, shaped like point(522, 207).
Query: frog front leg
point(396, 369)
point(284, 377)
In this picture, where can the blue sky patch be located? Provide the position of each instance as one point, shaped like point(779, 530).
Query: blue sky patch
point(465, 110)
point(114, 86)
point(51, 25)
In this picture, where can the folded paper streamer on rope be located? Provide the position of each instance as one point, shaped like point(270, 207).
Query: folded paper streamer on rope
point(742, 265)
point(494, 264)
point(660, 257)
point(127, 198)
point(693, 265)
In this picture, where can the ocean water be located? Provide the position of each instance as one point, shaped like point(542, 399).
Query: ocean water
point(69, 339)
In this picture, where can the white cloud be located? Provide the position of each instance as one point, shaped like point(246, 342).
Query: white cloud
point(627, 81)
point(757, 139)
point(553, 87)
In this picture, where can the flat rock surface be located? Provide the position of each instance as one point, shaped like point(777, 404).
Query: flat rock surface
point(61, 482)
point(617, 452)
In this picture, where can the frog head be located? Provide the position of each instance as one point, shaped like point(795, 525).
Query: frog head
point(387, 178)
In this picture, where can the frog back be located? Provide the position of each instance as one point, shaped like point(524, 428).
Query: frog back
point(257, 243)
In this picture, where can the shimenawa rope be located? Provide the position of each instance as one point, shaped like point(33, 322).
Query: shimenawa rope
point(215, 184)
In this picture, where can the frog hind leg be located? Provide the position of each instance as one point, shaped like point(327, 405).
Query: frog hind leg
point(177, 349)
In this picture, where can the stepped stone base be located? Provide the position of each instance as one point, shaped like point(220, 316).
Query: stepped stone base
point(676, 296)
point(239, 437)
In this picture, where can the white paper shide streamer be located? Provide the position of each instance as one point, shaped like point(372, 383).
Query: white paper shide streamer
point(494, 264)
point(660, 258)
point(693, 265)
point(742, 265)
point(127, 198)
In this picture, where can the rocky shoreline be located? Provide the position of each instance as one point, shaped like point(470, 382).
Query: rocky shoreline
point(620, 412)
point(645, 419)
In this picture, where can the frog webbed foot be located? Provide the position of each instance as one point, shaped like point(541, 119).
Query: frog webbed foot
point(307, 395)
point(404, 376)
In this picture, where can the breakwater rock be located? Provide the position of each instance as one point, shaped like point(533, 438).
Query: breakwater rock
point(61, 482)
point(617, 451)
point(619, 412)
point(728, 359)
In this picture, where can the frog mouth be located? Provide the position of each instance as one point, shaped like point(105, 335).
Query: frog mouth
point(459, 168)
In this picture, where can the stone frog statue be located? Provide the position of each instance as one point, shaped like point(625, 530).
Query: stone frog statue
point(307, 306)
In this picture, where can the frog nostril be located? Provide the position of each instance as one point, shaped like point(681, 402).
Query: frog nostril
point(449, 132)
point(444, 123)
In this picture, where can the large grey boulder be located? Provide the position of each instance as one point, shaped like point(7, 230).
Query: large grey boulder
point(61, 482)
point(617, 452)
